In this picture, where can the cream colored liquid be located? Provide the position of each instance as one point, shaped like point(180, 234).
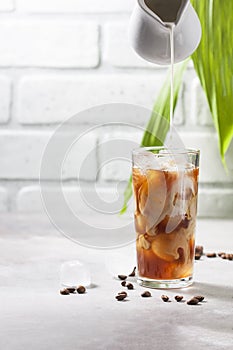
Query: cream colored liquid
point(171, 27)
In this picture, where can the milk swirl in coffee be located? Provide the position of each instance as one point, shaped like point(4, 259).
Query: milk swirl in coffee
point(165, 216)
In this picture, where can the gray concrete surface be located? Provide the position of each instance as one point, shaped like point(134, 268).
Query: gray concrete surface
point(34, 316)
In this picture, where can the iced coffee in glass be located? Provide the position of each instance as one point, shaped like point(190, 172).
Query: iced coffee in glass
point(165, 184)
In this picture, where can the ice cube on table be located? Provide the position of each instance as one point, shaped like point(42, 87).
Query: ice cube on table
point(74, 273)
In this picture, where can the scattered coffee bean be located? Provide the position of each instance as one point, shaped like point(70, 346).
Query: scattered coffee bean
point(64, 292)
point(199, 298)
point(122, 277)
point(121, 297)
point(197, 256)
point(81, 290)
point(165, 298)
point(221, 253)
point(199, 250)
point(146, 294)
point(193, 301)
point(178, 298)
point(211, 255)
point(123, 283)
point(130, 286)
point(226, 256)
point(123, 293)
point(133, 272)
point(71, 290)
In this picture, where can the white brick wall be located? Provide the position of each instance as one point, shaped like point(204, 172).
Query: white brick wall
point(5, 99)
point(48, 43)
point(64, 6)
point(200, 112)
point(3, 200)
point(59, 97)
point(229, 156)
point(215, 202)
point(29, 198)
point(118, 50)
point(6, 5)
point(115, 153)
point(21, 154)
point(211, 168)
point(59, 57)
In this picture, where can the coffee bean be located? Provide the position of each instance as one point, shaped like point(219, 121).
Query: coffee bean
point(123, 283)
point(199, 298)
point(120, 297)
point(130, 286)
point(211, 255)
point(146, 294)
point(193, 301)
point(221, 253)
point(133, 272)
point(123, 293)
point(229, 256)
point(197, 256)
point(224, 256)
point(178, 298)
point(199, 250)
point(81, 290)
point(165, 298)
point(64, 291)
point(71, 290)
point(122, 277)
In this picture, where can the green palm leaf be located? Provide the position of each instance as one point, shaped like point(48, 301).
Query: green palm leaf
point(158, 125)
point(213, 62)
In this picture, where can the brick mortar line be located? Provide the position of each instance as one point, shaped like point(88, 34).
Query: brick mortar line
point(72, 182)
point(103, 67)
point(51, 128)
point(120, 17)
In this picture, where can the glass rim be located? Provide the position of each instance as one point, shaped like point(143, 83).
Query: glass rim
point(168, 151)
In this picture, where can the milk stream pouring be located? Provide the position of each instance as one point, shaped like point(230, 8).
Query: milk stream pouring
point(165, 32)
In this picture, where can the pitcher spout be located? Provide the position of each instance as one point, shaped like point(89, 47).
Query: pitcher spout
point(164, 11)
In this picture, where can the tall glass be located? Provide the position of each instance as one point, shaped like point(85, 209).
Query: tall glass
point(165, 184)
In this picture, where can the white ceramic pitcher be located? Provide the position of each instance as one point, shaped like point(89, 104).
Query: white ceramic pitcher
point(150, 34)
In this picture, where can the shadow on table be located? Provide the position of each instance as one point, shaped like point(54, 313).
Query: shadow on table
point(217, 291)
